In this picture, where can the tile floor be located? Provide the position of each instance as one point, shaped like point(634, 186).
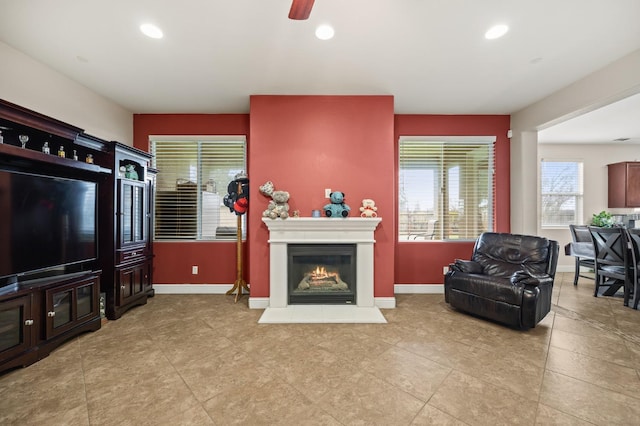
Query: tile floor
point(203, 360)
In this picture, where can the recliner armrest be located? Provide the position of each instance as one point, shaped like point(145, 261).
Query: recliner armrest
point(467, 266)
point(526, 278)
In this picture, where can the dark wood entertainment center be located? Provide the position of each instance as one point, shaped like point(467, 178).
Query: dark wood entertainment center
point(40, 310)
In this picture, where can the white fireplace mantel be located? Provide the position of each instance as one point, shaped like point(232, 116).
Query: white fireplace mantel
point(322, 230)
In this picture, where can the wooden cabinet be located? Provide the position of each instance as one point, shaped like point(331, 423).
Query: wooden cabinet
point(69, 305)
point(127, 220)
point(624, 184)
point(39, 315)
point(16, 332)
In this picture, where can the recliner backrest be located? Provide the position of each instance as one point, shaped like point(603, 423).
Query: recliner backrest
point(502, 254)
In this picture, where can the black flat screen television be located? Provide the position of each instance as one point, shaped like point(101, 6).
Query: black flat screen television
point(46, 224)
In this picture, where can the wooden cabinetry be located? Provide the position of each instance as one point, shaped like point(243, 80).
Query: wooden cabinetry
point(39, 315)
point(16, 326)
point(127, 254)
point(624, 184)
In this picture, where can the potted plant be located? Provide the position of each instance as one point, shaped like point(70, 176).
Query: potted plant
point(602, 219)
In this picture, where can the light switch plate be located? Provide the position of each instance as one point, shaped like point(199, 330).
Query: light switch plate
point(327, 192)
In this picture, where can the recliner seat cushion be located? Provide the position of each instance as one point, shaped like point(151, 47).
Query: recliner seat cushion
point(487, 287)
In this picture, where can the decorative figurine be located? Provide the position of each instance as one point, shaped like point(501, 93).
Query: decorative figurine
point(23, 140)
point(130, 172)
point(75, 155)
point(61, 152)
point(45, 148)
point(337, 207)
point(368, 208)
point(278, 206)
point(89, 159)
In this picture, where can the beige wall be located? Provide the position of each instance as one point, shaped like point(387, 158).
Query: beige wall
point(612, 83)
point(30, 84)
point(595, 159)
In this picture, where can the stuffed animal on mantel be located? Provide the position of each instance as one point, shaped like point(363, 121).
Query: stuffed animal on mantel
point(337, 207)
point(368, 208)
point(278, 206)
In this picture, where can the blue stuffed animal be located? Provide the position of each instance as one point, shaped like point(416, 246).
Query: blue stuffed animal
point(337, 208)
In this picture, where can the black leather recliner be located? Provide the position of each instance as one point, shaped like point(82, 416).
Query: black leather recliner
point(509, 279)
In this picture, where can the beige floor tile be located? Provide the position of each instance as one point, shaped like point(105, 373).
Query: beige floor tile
point(595, 371)
point(204, 360)
point(365, 399)
point(605, 347)
point(411, 373)
point(588, 402)
point(429, 416)
point(477, 402)
point(548, 416)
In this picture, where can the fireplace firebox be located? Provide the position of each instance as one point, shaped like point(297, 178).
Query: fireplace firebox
point(321, 273)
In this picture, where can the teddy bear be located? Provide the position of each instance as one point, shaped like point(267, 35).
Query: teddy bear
point(337, 207)
point(368, 208)
point(278, 206)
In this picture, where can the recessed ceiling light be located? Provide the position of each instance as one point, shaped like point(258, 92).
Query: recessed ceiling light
point(325, 32)
point(151, 30)
point(496, 31)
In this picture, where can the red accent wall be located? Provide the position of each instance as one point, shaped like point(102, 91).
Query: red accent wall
point(173, 260)
point(422, 262)
point(304, 144)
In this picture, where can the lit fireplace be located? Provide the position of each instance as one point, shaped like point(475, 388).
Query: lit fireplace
point(322, 273)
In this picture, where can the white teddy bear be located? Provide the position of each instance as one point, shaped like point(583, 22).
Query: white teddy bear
point(368, 208)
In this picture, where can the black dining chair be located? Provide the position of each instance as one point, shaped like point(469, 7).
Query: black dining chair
point(634, 285)
point(581, 248)
point(612, 260)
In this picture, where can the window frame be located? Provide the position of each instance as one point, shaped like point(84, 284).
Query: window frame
point(221, 186)
point(442, 169)
point(578, 218)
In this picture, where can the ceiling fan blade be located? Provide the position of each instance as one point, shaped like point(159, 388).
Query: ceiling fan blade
point(300, 9)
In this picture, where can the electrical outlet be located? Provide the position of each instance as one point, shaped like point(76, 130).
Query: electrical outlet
point(327, 193)
point(194, 270)
point(445, 269)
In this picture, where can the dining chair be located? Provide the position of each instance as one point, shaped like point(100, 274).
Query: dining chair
point(634, 287)
point(581, 248)
point(612, 260)
point(429, 232)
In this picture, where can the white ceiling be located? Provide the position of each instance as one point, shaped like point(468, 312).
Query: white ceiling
point(429, 54)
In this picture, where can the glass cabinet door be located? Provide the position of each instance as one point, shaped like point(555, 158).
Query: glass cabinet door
point(62, 305)
point(70, 305)
point(16, 324)
point(132, 212)
point(85, 300)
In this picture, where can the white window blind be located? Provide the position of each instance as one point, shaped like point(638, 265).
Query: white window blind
point(446, 188)
point(193, 175)
point(561, 192)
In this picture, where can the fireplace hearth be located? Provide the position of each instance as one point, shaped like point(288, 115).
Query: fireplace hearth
point(321, 270)
point(322, 273)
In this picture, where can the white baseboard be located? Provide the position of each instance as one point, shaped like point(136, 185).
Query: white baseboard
point(258, 302)
point(418, 288)
point(192, 288)
point(385, 302)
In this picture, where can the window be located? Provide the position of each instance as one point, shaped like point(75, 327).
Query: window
point(446, 188)
point(561, 192)
point(193, 176)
